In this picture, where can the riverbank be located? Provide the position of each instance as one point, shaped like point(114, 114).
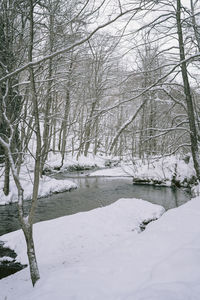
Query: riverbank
point(48, 185)
point(159, 171)
point(168, 171)
point(100, 255)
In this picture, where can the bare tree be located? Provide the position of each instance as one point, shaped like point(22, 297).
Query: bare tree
point(187, 91)
point(30, 71)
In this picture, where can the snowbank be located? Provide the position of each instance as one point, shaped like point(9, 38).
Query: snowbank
point(99, 255)
point(163, 171)
point(69, 248)
point(47, 187)
point(122, 171)
point(166, 171)
point(72, 163)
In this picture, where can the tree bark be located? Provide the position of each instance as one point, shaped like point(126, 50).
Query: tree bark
point(48, 105)
point(188, 96)
point(27, 224)
point(64, 127)
point(34, 271)
point(6, 187)
point(195, 26)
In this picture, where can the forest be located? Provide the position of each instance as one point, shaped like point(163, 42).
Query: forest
point(113, 78)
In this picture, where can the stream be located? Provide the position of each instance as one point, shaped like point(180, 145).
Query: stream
point(92, 192)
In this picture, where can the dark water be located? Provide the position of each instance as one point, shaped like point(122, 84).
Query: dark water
point(93, 192)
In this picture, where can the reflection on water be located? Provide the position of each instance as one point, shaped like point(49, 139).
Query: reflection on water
point(92, 192)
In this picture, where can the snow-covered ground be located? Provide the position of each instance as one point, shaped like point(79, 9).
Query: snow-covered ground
point(166, 170)
point(121, 171)
point(157, 169)
point(70, 162)
point(100, 255)
point(47, 187)
point(162, 170)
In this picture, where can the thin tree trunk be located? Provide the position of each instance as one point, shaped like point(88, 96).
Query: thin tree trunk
point(195, 26)
point(28, 232)
point(63, 131)
point(54, 124)
point(187, 91)
point(88, 128)
point(64, 127)
point(27, 224)
point(96, 141)
point(6, 187)
point(47, 117)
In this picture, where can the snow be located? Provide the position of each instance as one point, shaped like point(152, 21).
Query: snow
point(47, 187)
point(162, 170)
point(122, 171)
point(100, 255)
point(91, 161)
point(5, 258)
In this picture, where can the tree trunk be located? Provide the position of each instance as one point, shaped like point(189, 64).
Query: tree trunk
point(6, 187)
point(34, 271)
point(87, 138)
point(48, 106)
point(194, 25)
point(187, 91)
point(28, 233)
point(26, 224)
point(64, 127)
point(63, 131)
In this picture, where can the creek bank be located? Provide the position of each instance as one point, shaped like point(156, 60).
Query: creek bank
point(48, 186)
point(77, 166)
point(144, 224)
point(71, 168)
point(170, 172)
point(72, 163)
point(8, 263)
point(188, 183)
point(9, 266)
